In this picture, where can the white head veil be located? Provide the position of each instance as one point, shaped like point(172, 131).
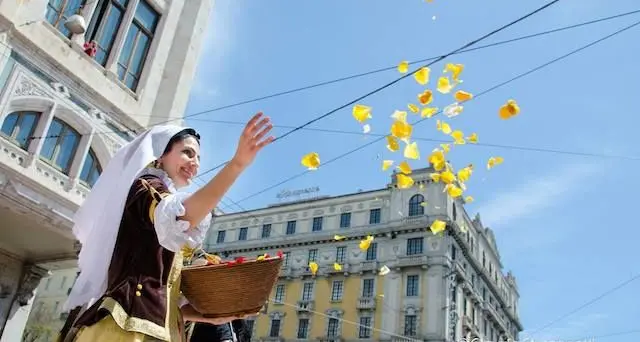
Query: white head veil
point(97, 221)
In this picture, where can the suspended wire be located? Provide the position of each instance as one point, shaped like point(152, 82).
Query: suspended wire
point(555, 60)
point(345, 78)
point(408, 74)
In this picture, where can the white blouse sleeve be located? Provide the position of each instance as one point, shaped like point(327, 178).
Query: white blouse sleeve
point(173, 233)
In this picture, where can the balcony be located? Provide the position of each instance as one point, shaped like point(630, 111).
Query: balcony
point(411, 260)
point(370, 265)
point(330, 339)
point(366, 303)
point(286, 272)
point(304, 306)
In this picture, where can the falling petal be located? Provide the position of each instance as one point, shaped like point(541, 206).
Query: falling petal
point(366, 129)
point(462, 96)
point(509, 110)
point(413, 108)
point(468, 199)
point(405, 168)
point(311, 161)
point(411, 151)
point(404, 182)
point(401, 130)
point(386, 164)
point(453, 110)
point(435, 177)
point(454, 191)
point(339, 237)
point(447, 177)
point(423, 204)
point(313, 267)
point(443, 126)
point(438, 226)
point(425, 97)
point(473, 138)
point(437, 159)
point(384, 270)
point(463, 228)
point(428, 112)
point(455, 69)
point(399, 115)
point(337, 266)
point(446, 148)
point(421, 186)
point(434, 17)
point(464, 174)
point(361, 113)
point(366, 243)
point(403, 67)
point(422, 76)
point(458, 137)
point(444, 86)
point(493, 161)
point(392, 143)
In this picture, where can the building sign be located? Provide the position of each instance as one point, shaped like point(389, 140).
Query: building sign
point(285, 194)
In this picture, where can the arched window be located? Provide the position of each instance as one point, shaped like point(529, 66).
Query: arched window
point(19, 127)
point(91, 169)
point(415, 205)
point(60, 145)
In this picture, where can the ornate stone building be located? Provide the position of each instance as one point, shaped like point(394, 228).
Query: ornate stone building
point(438, 288)
point(78, 78)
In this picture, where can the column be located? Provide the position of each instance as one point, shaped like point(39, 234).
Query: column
point(87, 13)
point(391, 304)
point(114, 55)
point(21, 305)
point(79, 158)
point(35, 146)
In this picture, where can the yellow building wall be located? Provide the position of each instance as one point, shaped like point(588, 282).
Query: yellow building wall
point(322, 302)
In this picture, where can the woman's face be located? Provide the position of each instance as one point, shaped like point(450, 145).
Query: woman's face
point(182, 161)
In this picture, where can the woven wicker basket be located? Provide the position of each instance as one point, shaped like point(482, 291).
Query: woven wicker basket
point(224, 291)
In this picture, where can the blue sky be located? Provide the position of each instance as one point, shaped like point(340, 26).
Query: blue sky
point(563, 222)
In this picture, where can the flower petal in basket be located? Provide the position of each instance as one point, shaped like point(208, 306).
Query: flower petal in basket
point(222, 290)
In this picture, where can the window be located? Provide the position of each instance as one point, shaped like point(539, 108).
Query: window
point(454, 212)
point(307, 291)
point(414, 246)
point(286, 256)
point(303, 328)
point(413, 285)
point(275, 328)
point(341, 253)
point(60, 145)
point(136, 46)
point(410, 325)
point(221, 236)
point(484, 259)
point(19, 127)
point(336, 290)
point(372, 252)
point(365, 327)
point(345, 220)
point(242, 235)
point(91, 169)
point(279, 297)
point(367, 288)
point(332, 327)
point(291, 227)
point(313, 255)
point(266, 230)
point(317, 224)
point(453, 252)
point(104, 27)
point(59, 10)
point(374, 216)
point(415, 205)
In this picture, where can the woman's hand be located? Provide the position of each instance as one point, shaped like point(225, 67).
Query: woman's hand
point(252, 140)
point(190, 314)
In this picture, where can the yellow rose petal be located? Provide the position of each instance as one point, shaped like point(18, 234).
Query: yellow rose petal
point(411, 151)
point(403, 67)
point(422, 76)
point(458, 137)
point(455, 69)
point(437, 159)
point(386, 164)
point(413, 108)
point(361, 113)
point(509, 110)
point(425, 97)
point(392, 143)
point(428, 112)
point(468, 199)
point(453, 110)
point(423, 204)
point(435, 177)
point(444, 86)
point(337, 266)
point(465, 173)
point(462, 96)
point(473, 138)
point(493, 161)
point(438, 226)
point(399, 115)
point(454, 191)
point(339, 237)
point(401, 130)
point(384, 270)
point(443, 126)
point(366, 243)
point(405, 168)
point(311, 161)
point(404, 182)
point(447, 177)
point(313, 267)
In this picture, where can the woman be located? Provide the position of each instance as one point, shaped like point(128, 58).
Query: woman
point(134, 227)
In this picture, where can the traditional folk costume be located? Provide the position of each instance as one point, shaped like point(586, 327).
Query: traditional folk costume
point(132, 243)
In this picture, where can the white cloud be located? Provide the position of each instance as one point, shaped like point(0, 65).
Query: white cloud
point(536, 194)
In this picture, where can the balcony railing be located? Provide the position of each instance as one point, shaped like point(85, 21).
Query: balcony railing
point(411, 260)
point(366, 303)
point(304, 306)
